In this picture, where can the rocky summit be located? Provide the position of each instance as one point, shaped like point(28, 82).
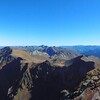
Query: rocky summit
point(48, 73)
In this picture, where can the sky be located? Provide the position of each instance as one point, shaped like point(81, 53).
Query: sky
point(49, 22)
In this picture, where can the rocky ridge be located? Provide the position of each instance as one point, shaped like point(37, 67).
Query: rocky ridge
point(22, 79)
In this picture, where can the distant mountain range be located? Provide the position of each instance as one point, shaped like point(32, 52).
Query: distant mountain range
point(82, 50)
point(85, 50)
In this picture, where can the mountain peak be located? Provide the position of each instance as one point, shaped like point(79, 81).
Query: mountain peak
point(5, 51)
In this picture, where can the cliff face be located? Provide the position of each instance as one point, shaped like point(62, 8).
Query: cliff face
point(21, 79)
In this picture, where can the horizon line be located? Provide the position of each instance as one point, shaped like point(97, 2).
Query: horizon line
point(47, 45)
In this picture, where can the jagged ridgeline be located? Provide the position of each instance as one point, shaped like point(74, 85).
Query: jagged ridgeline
point(48, 73)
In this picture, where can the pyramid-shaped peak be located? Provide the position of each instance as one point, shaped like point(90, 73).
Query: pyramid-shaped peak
point(5, 51)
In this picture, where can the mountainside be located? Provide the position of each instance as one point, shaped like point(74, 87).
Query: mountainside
point(55, 55)
point(85, 50)
point(25, 76)
point(61, 50)
point(50, 51)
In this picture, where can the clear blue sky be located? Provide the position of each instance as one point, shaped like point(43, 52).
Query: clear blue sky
point(49, 22)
